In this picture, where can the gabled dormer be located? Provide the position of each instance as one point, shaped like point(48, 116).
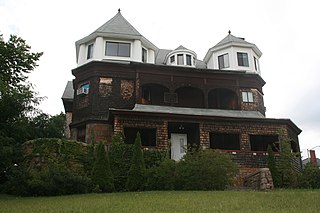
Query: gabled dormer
point(234, 53)
point(181, 56)
point(115, 40)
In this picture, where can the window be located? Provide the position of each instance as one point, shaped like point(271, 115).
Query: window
point(223, 61)
point(144, 55)
point(83, 89)
point(261, 142)
point(188, 58)
point(118, 49)
point(256, 64)
point(224, 141)
point(90, 51)
point(243, 59)
point(247, 97)
point(148, 136)
point(172, 59)
point(180, 59)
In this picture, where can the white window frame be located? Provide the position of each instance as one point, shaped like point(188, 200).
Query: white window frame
point(118, 42)
point(225, 61)
point(90, 50)
point(247, 97)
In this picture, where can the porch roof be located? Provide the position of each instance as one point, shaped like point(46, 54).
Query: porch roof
point(197, 111)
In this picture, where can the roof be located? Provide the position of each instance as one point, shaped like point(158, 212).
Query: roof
point(68, 91)
point(231, 40)
point(197, 111)
point(181, 48)
point(118, 25)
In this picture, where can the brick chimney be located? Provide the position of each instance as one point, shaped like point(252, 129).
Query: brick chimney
point(313, 158)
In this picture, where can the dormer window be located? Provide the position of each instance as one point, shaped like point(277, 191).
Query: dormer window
point(90, 51)
point(180, 59)
point(188, 58)
point(256, 64)
point(243, 59)
point(144, 55)
point(223, 61)
point(172, 59)
point(117, 49)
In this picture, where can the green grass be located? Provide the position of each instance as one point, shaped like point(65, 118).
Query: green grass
point(172, 201)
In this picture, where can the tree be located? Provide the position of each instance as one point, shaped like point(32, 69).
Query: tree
point(17, 98)
point(136, 180)
point(101, 172)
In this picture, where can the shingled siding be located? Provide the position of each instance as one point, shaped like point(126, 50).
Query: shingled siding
point(244, 157)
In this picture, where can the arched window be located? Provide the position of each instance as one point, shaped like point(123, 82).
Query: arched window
point(190, 97)
point(153, 94)
point(222, 99)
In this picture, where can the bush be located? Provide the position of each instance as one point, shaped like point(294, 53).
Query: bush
point(101, 173)
point(120, 156)
point(57, 181)
point(205, 170)
point(273, 167)
point(136, 176)
point(310, 177)
point(154, 157)
point(162, 176)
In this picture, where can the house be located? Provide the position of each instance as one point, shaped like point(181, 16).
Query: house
point(124, 83)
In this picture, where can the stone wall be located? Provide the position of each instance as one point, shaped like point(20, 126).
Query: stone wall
point(259, 180)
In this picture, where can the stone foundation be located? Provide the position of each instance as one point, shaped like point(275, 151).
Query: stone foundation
point(259, 180)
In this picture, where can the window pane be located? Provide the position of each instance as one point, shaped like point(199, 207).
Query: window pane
point(124, 50)
point(244, 97)
point(250, 97)
point(144, 55)
point(180, 59)
point(90, 51)
point(220, 60)
point(172, 59)
point(226, 60)
point(188, 60)
point(112, 49)
point(243, 59)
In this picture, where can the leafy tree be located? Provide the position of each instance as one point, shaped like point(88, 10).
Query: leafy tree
point(17, 99)
point(310, 177)
point(135, 181)
point(101, 172)
point(273, 167)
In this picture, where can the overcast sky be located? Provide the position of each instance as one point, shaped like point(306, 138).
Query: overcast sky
point(287, 32)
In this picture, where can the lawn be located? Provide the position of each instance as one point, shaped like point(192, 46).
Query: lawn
point(170, 201)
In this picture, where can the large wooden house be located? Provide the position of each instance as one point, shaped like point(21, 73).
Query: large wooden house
point(124, 83)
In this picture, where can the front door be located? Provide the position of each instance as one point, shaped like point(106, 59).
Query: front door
point(178, 146)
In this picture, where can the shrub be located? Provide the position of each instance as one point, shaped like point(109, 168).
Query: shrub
point(162, 176)
point(287, 171)
point(273, 167)
point(205, 170)
point(55, 180)
point(154, 157)
point(120, 156)
point(135, 181)
point(310, 177)
point(101, 172)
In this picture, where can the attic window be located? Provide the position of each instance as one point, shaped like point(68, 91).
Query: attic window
point(188, 58)
point(90, 51)
point(256, 64)
point(172, 59)
point(117, 49)
point(223, 61)
point(144, 55)
point(180, 59)
point(243, 59)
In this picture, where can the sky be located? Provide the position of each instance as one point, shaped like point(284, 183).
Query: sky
point(286, 31)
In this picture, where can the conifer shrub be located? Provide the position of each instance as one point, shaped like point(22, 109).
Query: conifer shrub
point(205, 170)
point(136, 175)
point(101, 173)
